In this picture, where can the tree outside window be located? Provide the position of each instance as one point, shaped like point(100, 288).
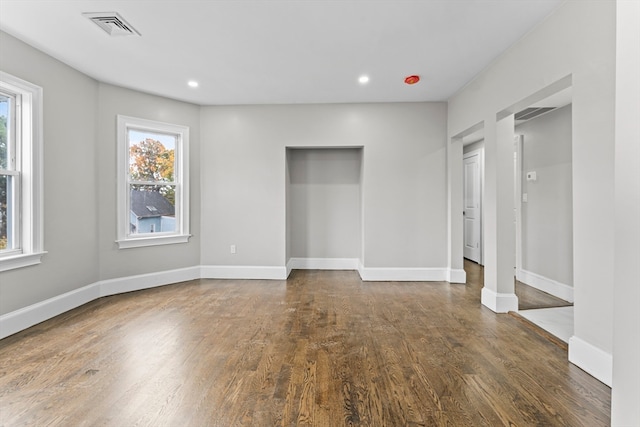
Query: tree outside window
point(152, 183)
point(21, 213)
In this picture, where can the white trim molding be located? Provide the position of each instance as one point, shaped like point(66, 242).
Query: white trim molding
point(591, 359)
point(379, 274)
point(21, 260)
point(455, 275)
point(145, 281)
point(545, 284)
point(243, 272)
point(26, 317)
point(375, 274)
point(180, 181)
point(323, 264)
point(497, 302)
point(153, 241)
point(28, 201)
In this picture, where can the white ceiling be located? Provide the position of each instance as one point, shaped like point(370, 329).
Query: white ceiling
point(278, 52)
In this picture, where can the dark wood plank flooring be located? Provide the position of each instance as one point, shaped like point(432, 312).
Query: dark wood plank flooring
point(529, 298)
point(320, 349)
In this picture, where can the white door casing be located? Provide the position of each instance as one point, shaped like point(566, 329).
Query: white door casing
point(472, 206)
point(518, 150)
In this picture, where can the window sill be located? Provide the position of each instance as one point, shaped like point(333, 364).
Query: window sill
point(140, 242)
point(20, 260)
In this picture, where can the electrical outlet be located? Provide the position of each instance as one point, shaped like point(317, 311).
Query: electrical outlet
point(525, 197)
point(233, 249)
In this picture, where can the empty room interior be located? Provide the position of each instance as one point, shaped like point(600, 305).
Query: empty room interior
point(221, 213)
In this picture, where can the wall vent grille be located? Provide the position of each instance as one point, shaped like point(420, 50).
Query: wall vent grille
point(530, 113)
point(112, 23)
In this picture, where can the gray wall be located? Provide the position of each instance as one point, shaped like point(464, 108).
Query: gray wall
point(547, 224)
point(114, 262)
point(403, 182)
point(578, 39)
point(325, 215)
point(80, 181)
point(478, 145)
point(238, 169)
point(70, 179)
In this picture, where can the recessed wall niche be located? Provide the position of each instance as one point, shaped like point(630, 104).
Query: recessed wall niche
point(324, 207)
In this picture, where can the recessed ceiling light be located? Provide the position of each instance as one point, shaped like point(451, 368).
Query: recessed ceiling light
point(192, 83)
point(363, 80)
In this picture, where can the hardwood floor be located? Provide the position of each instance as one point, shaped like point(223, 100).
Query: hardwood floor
point(529, 298)
point(320, 349)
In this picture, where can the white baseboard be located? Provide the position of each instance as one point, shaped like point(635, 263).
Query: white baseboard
point(456, 275)
point(323, 264)
point(545, 284)
point(499, 303)
point(26, 317)
point(145, 281)
point(594, 361)
point(243, 272)
point(403, 274)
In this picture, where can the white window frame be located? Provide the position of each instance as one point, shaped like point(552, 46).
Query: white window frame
point(28, 172)
point(125, 239)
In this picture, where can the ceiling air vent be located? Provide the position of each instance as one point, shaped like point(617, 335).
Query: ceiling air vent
point(112, 23)
point(530, 113)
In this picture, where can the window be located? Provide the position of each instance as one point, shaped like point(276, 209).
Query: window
point(21, 242)
point(153, 190)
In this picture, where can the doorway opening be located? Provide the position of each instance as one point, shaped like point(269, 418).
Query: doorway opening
point(544, 214)
point(324, 208)
point(472, 191)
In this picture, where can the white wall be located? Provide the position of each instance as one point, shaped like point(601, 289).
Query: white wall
point(547, 216)
point(325, 216)
point(625, 395)
point(403, 180)
point(577, 40)
point(70, 179)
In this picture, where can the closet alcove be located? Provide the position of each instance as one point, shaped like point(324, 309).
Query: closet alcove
point(324, 208)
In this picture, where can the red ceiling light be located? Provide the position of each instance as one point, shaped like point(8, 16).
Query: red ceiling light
point(411, 80)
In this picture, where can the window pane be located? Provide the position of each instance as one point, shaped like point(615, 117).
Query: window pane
point(152, 209)
point(5, 108)
point(6, 213)
point(151, 156)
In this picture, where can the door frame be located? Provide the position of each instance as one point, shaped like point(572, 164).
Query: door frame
point(480, 153)
point(518, 149)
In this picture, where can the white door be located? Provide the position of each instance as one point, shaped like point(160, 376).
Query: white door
point(471, 206)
